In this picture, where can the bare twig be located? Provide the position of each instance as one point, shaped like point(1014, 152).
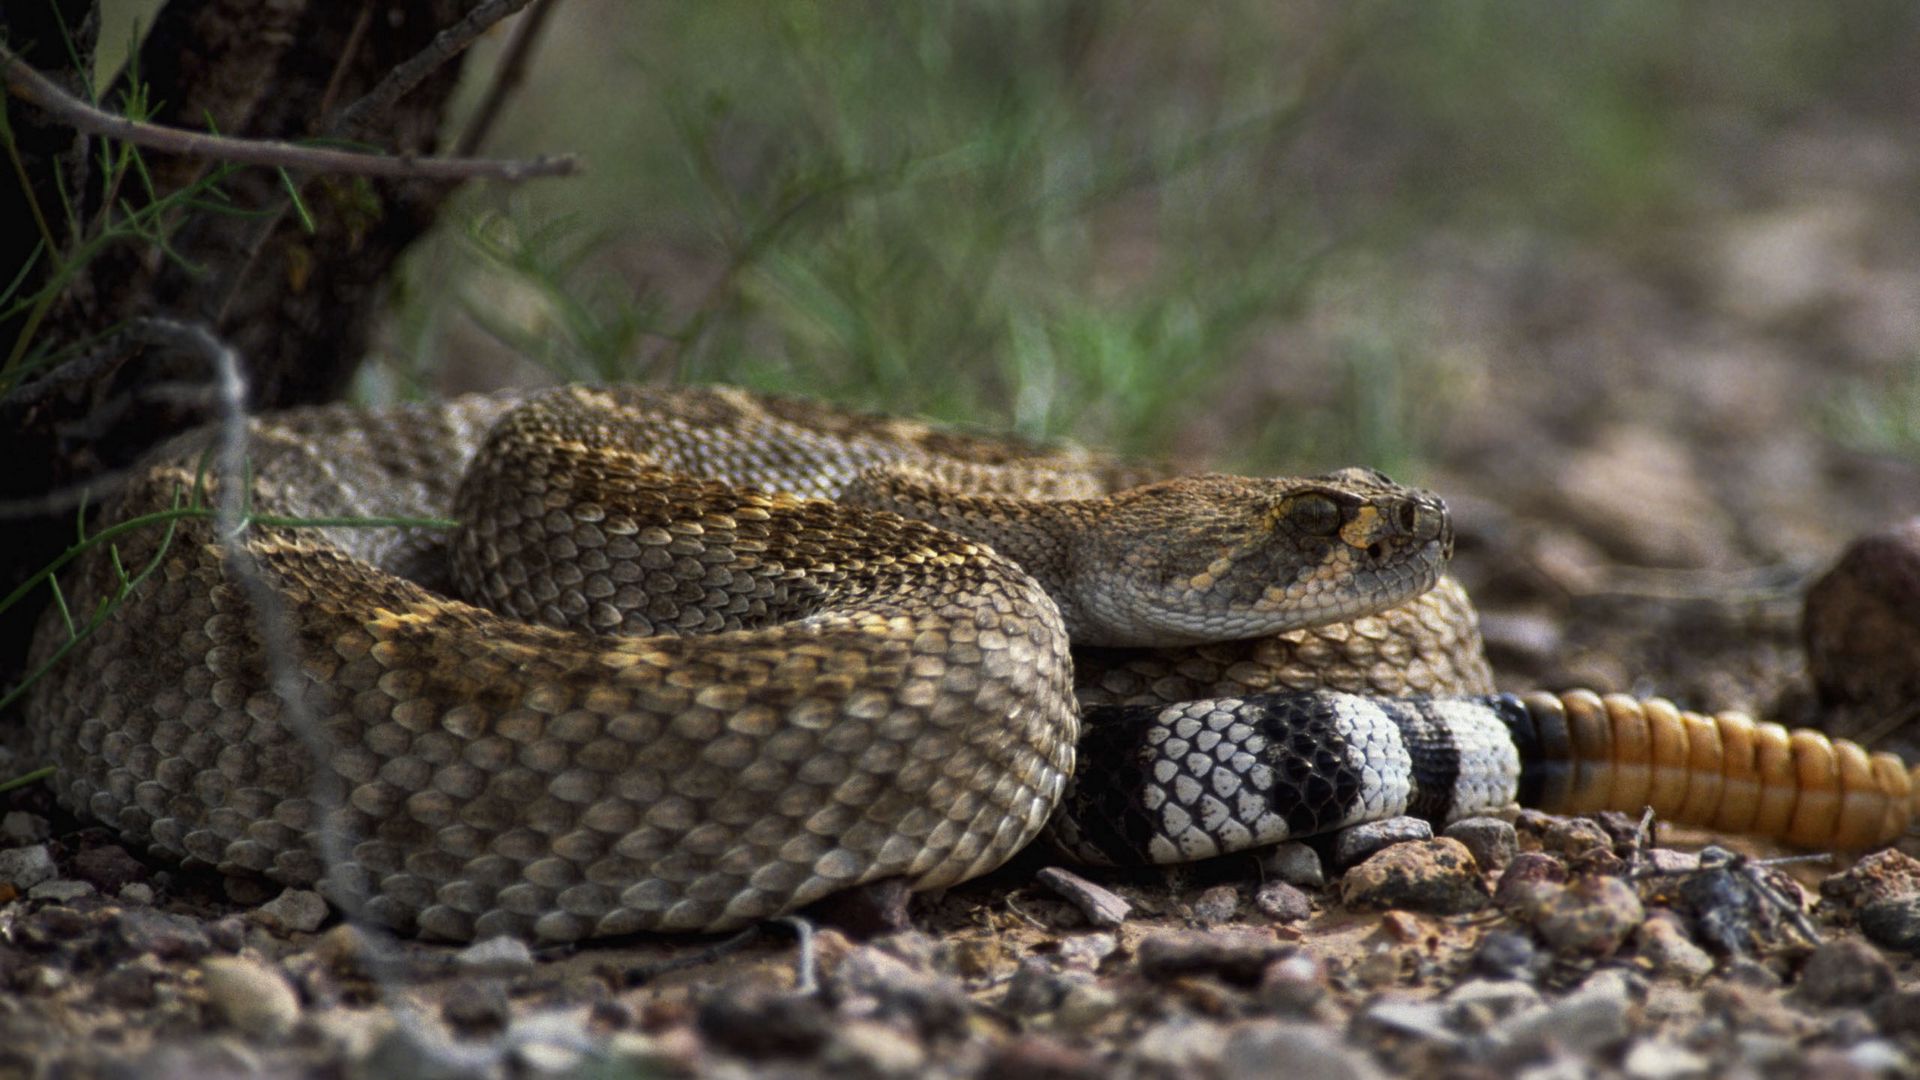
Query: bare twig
point(36, 89)
point(506, 77)
point(355, 35)
point(445, 45)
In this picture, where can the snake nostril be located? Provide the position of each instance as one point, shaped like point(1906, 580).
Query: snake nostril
point(1376, 551)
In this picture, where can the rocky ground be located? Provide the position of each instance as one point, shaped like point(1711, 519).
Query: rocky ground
point(1639, 446)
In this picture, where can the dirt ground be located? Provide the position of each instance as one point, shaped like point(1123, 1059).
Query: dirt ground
point(1649, 456)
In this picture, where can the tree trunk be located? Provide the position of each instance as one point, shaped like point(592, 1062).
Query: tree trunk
point(294, 295)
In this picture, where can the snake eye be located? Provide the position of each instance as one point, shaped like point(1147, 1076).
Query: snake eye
point(1407, 516)
point(1313, 515)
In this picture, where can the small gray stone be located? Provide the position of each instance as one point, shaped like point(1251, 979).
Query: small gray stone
point(60, 890)
point(1845, 972)
point(1357, 843)
point(1282, 902)
point(869, 1048)
point(1264, 1048)
point(1035, 988)
point(1083, 952)
point(1479, 1004)
point(1180, 1047)
point(1216, 905)
point(1294, 863)
point(1235, 956)
point(252, 997)
point(1505, 954)
point(296, 910)
point(1493, 841)
point(1423, 1020)
point(137, 893)
point(1662, 943)
point(1583, 1023)
point(1658, 1059)
point(1879, 1056)
point(25, 867)
point(499, 955)
point(20, 827)
point(1892, 923)
point(1294, 984)
point(1085, 1005)
point(418, 1052)
point(547, 1059)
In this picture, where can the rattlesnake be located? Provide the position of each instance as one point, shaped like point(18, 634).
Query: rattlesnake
point(693, 690)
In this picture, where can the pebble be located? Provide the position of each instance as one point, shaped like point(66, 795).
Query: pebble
point(1282, 902)
point(1294, 984)
point(107, 866)
point(1884, 875)
point(871, 982)
point(1295, 863)
point(250, 996)
point(866, 1048)
point(297, 910)
point(1357, 843)
point(1505, 954)
point(976, 957)
point(1845, 972)
point(1237, 957)
point(1593, 915)
point(1041, 1057)
point(1892, 923)
point(412, 1050)
point(1898, 1013)
point(1878, 1056)
point(1435, 876)
point(1216, 905)
point(1425, 1021)
point(1085, 1005)
point(1576, 837)
point(1659, 1059)
point(480, 1008)
point(1863, 644)
point(25, 867)
point(60, 890)
point(1259, 1049)
point(1182, 1047)
point(497, 956)
point(137, 893)
point(1583, 1023)
point(546, 1058)
point(1492, 841)
point(1035, 988)
point(1084, 952)
point(1664, 944)
point(763, 1026)
point(1479, 1004)
point(20, 827)
point(1528, 869)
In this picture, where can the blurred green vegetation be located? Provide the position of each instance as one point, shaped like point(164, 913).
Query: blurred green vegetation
point(1078, 218)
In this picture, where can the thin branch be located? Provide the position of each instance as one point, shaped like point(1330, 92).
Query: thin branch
point(506, 77)
point(445, 45)
point(36, 89)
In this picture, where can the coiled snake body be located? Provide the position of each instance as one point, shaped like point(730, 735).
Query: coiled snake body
point(723, 655)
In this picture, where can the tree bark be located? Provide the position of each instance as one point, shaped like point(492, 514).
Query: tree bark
point(294, 295)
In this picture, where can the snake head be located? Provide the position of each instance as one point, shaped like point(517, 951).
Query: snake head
point(1216, 558)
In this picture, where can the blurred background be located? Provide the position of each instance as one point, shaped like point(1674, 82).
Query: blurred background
point(1634, 285)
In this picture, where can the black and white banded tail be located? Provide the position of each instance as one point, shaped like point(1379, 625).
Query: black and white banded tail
point(1202, 778)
